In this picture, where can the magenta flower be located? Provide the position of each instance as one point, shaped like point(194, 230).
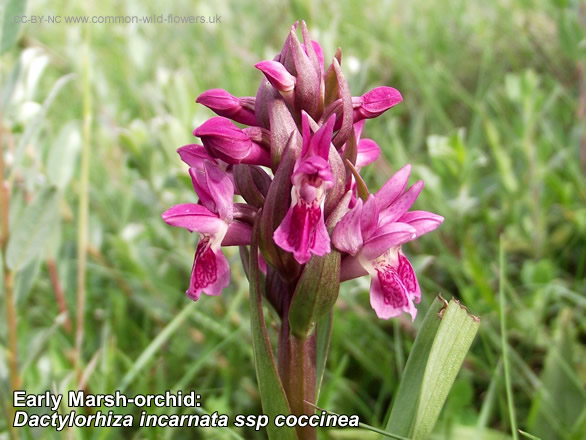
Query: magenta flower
point(372, 233)
point(277, 75)
point(374, 103)
point(224, 104)
point(303, 230)
point(214, 220)
point(224, 140)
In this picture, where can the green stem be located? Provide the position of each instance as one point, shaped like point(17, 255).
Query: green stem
point(83, 205)
point(10, 304)
point(297, 368)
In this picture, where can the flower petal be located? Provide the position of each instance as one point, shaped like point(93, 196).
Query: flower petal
point(193, 155)
point(210, 272)
point(407, 276)
point(401, 205)
point(347, 235)
point(193, 218)
point(394, 187)
point(387, 237)
point(277, 75)
point(225, 104)
point(368, 152)
point(388, 296)
point(422, 221)
point(303, 232)
point(369, 220)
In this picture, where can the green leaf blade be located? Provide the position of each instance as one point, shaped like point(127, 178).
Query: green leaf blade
point(33, 229)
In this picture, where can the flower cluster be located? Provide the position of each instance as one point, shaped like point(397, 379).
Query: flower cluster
point(296, 165)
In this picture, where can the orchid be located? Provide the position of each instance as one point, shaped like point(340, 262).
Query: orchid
point(372, 233)
point(214, 220)
point(303, 226)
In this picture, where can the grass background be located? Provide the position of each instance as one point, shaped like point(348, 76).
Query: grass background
point(493, 120)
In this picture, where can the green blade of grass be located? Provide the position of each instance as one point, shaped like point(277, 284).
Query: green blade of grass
point(507, 368)
point(452, 341)
point(148, 354)
point(402, 416)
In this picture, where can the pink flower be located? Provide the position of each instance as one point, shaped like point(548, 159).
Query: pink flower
point(213, 219)
point(224, 104)
point(303, 230)
point(374, 103)
point(224, 140)
point(372, 233)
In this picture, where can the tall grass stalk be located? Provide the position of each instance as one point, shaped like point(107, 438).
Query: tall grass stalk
point(83, 201)
point(504, 344)
point(9, 304)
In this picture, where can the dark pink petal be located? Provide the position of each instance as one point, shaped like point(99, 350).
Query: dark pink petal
point(401, 205)
point(225, 104)
point(214, 188)
point(407, 275)
point(369, 220)
point(224, 140)
point(394, 187)
point(210, 272)
point(374, 103)
point(221, 188)
point(194, 218)
point(193, 155)
point(277, 75)
point(368, 152)
point(388, 296)
point(347, 236)
point(321, 140)
point(311, 166)
point(389, 236)
point(422, 221)
point(303, 232)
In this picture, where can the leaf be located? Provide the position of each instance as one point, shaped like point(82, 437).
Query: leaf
point(63, 155)
point(31, 231)
point(11, 25)
point(452, 341)
point(552, 417)
point(324, 336)
point(25, 279)
point(35, 125)
point(274, 401)
point(315, 293)
point(405, 403)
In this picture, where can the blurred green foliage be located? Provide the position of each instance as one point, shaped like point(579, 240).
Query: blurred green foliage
point(493, 119)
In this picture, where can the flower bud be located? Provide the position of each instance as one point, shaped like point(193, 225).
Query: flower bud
point(374, 103)
point(222, 139)
point(277, 75)
point(224, 104)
